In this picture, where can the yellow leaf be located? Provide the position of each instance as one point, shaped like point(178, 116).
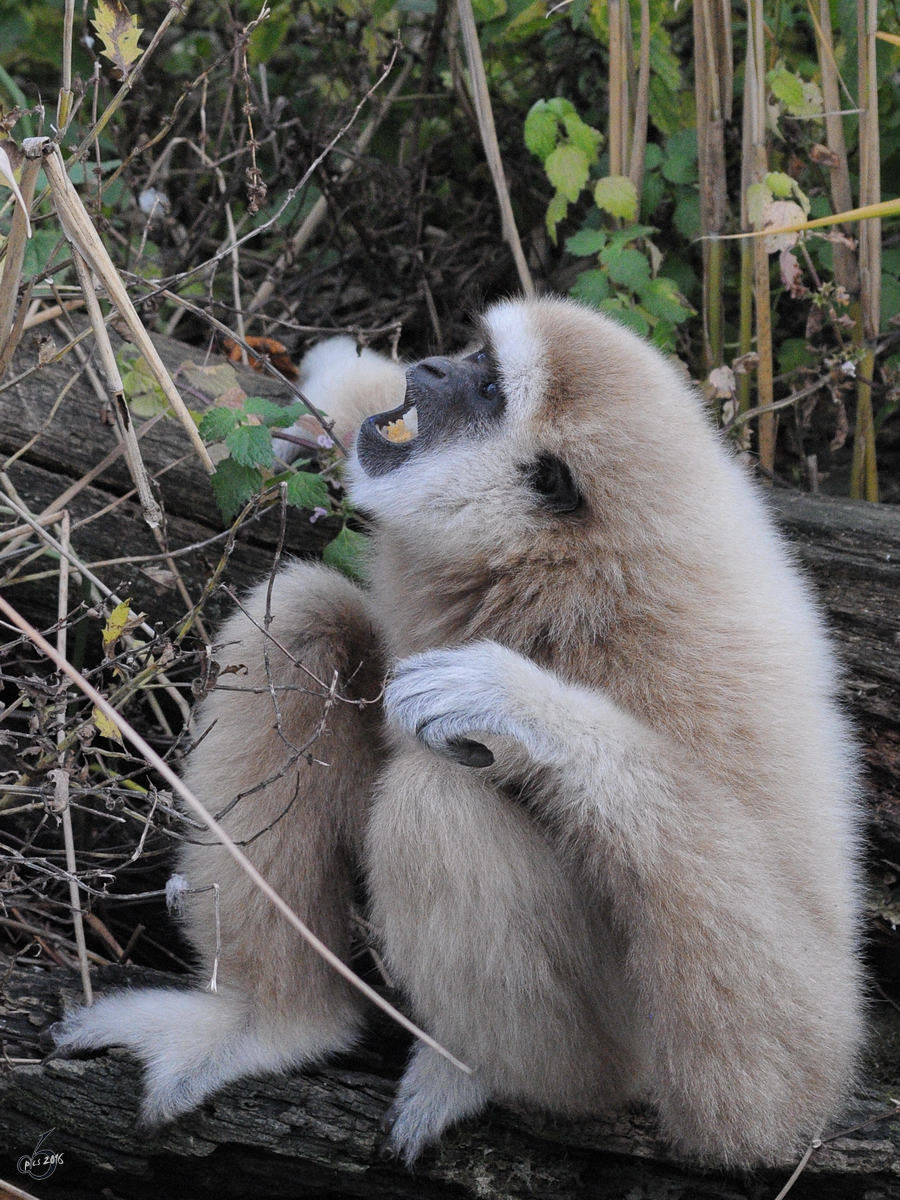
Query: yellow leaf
point(121, 621)
point(105, 727)
point(119, 32)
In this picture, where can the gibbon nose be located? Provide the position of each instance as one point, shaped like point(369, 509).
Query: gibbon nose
point(439, 368)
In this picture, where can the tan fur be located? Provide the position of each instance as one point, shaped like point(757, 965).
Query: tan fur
point(651, 892)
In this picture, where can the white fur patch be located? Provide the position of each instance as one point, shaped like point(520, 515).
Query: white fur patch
point(521, 354)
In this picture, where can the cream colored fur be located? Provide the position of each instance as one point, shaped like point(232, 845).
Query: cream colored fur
point(652, 891)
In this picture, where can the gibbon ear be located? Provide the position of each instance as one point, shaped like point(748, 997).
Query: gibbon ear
point(552, 480)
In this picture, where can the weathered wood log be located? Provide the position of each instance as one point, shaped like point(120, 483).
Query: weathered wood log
point(319, 1134)
point(69, 441)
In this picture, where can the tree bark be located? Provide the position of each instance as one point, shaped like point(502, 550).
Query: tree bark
point(319, 1134)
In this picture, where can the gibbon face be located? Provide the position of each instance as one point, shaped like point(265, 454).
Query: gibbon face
point(561, 424)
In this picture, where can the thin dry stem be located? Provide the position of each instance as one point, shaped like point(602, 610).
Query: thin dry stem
point(84, 239)
point(62, 775)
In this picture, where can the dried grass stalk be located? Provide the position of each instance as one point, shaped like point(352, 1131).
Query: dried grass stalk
point(11, 267)
point(85, 240)
point(482, 100)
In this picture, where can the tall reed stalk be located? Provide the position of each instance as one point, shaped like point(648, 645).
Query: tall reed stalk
point(864, 472)
point(713, 88)
point(754, 170)
point(629, 93)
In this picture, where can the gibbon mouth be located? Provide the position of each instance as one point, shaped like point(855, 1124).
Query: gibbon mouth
point(400, 425)
point(387, 439)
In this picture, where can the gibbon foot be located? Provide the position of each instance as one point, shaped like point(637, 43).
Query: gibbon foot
point(432, 1095)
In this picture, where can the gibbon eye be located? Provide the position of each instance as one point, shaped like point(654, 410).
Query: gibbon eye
point(489, 389)
point(552, 480)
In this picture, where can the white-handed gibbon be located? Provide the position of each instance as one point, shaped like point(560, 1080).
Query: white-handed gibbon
point(605, 811)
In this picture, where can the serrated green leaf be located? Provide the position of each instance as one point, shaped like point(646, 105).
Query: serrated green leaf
point(541, 130)
point(680, 162)
point(686, 217)
point(661, 298)
point(626, 266)
point(347, 553)
point(233, 485)
point(560, 106)
point(591, 287)
point(271, 414)
point(556, 212)
point(307, 490)
point(217, 423)
point(250, 445)
point(586, 138)
point(780, 185)
point(586, 241)
point(663, 336)
point(631, 318)
point(567, 169)
point(785, 86)
point(653, 156)
point(142, 391)
point(617, 195)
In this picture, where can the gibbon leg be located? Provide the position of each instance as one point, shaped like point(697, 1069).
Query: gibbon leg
point(278, 1005)
point(737, 910)
point(488, 933)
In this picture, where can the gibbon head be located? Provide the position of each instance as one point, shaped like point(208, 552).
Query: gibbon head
point(562, 425)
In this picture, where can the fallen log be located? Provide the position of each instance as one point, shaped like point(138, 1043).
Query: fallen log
point(318, 1134)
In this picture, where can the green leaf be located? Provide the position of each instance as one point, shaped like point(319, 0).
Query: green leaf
point(680, 163)
point(488, 10)
point(556, 212)
point(617, 195)
point(142, 391)
point(541, 130)
point(271, 414)
point(786, 86)
point(560, 106)
point(567, 169)
point(586, 138)
point(664, 335)
point(586, 241)
point(38, 249)
point(629, 317)
point(217, 423)
point(758, 196)
point(347, 553)
point(780, 185)
point(627, 266)
point(233, 485)
point(307, 490)
point(661, 298)
point(653, 156)
point(794, 353)
point(250, 445)
point(591, 287)
point(687, 214)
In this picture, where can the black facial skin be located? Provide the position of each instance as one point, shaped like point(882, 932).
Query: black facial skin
point(452, 397)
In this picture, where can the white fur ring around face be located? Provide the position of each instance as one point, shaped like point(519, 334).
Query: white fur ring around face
point(446, 698)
